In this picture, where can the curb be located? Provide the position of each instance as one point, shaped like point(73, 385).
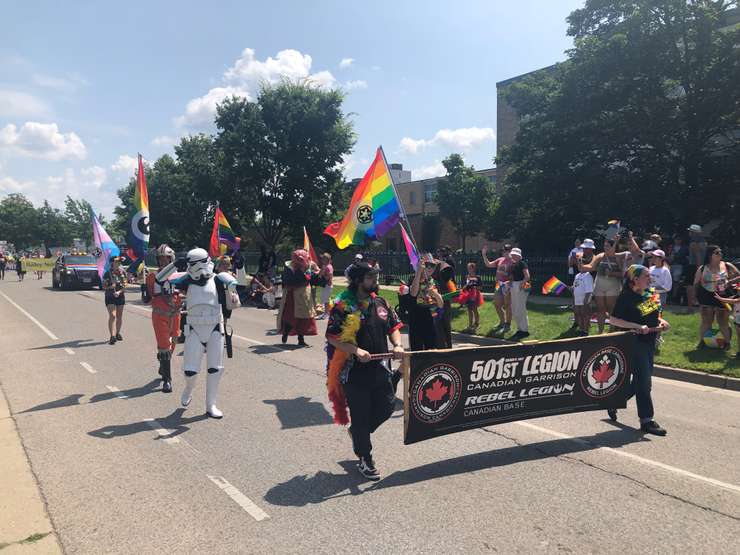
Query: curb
point(667, 372)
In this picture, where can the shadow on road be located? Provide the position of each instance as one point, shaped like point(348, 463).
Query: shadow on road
point(300, 412)
point(72, 400)
point(174, 423)
point(74, 344)
point(302, 490)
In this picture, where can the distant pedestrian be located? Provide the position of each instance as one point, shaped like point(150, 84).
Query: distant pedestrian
point(20, 269)
point(114, 285)
point(583, 289)
point(520, 287)
point(471, 297)
point(502, 293)
point(3, 263)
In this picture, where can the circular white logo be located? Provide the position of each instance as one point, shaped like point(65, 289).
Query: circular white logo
point(603, 373)
point(140, 225)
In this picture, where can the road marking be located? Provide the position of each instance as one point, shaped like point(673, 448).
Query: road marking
point(698, 387)
point(649, 462)
point(249, 340)
point(242, 500)
point(161, 432)
point(69, 351)
point(41, 326)
point(117, 392)
point(89, 368)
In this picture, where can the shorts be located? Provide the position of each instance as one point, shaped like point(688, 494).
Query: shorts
point(579, 297)
point(325, 294)
point(502, 288)
point(607, 286)
point(117, 301)
point(706, 298)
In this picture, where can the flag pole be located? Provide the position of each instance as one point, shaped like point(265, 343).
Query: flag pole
point(398, 198)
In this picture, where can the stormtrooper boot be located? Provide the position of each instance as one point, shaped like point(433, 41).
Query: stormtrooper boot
point(187, 394)
point(212, 392)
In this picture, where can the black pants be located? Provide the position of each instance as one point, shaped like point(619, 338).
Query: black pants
point(370, 404)
point(445, 326)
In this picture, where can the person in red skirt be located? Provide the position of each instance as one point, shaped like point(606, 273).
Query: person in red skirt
point(296, 315)
point(471, 297)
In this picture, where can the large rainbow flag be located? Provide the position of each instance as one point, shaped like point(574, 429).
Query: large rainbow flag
point(223, 240)
point(373, 210)
point(138, 234)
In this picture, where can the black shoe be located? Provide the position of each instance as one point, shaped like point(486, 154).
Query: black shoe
point(112, 340)
point(582, 333)
point(284, 338)
point(612, 414)
point(166, 387)
point(119, 337)
point(518, 336)
point(701, 345)
point(302, 342)
point(366, 466)
point(653, 427)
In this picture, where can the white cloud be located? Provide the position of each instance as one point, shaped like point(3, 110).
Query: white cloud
point(245, 78)
point(346, 63)
point(67, 84)
point(10, 185)
point(95, 174)
point(433, 170)
point(126, 164)
point(164, 140)
point(41, 140)
point(16, 104)
point(355, 85)
point(464, 139)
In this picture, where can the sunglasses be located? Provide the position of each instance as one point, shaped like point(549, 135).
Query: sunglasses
point(717, 252)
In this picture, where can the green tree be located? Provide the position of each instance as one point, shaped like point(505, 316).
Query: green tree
point(52, 226)
point(78, 213)
point(19, 221)
point(463, 197)
point(281, 158)
point(640, 123)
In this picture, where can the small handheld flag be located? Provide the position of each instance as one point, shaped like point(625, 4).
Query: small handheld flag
point(223, 241)
point(138, 233)
point(105, 248)
point(410, 249)
point(308, 247)
point(373, 210)
point(553, 285)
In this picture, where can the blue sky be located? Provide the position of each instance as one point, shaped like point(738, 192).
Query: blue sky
point(84, 86)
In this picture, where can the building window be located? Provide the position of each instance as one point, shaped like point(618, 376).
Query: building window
point(412, 198)
point(430, 189)
point(492, 178)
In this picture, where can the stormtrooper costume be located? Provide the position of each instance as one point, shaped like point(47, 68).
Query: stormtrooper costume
point(204, 330)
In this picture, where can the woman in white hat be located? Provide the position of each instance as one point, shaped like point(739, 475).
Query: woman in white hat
point(609, 267)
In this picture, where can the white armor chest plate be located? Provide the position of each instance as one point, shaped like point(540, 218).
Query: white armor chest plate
point(203, 305)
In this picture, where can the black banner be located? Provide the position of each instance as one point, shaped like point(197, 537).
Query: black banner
point(460, 389)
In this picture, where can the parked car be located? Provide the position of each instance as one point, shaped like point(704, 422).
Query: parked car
point(75, 270)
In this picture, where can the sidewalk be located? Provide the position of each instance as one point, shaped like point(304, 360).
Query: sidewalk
point(24, 526)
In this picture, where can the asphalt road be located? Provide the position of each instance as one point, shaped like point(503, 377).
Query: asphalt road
point(124, 469)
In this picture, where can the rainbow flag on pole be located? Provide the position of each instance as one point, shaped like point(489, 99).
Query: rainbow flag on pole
point(308, 247)
point(105, 248)
point(553, 285)
point(138, 234)
point(223, 240)
point(373, 210)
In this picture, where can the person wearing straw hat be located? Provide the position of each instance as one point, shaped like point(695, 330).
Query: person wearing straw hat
point(360, 324)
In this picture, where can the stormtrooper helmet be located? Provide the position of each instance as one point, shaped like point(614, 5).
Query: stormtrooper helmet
point(200, 265)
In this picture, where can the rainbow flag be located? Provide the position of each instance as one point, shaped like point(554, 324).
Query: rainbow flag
point(223, 240)
point(105, 248)
point(553, 285)
point(410, 249)
point(373, 210)
point(138, 233)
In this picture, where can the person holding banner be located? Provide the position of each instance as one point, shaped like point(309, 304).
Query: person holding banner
point(114, 284)
point(360, 324)
point(638, 308)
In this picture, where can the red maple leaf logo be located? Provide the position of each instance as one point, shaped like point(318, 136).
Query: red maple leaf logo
point(603, 373)
point(435, 393)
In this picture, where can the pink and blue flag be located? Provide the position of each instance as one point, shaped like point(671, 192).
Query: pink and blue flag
point(105, 248)
point(410, 249)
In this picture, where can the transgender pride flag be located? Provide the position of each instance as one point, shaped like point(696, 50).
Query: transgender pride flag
point(105, 247)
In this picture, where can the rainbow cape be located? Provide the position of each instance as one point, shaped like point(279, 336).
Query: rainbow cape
point(373, 210)
point(553, 285)
point(223, 240)
point(138, 233)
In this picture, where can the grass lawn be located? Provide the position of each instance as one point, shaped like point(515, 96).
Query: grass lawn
point(553, 322)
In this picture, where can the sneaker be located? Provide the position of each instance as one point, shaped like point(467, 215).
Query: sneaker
point(653, 427)
point(507, 327)
point(701, 345)
point(612, 414)
point(119, 337)
point(112, 340)
point(366, 466)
